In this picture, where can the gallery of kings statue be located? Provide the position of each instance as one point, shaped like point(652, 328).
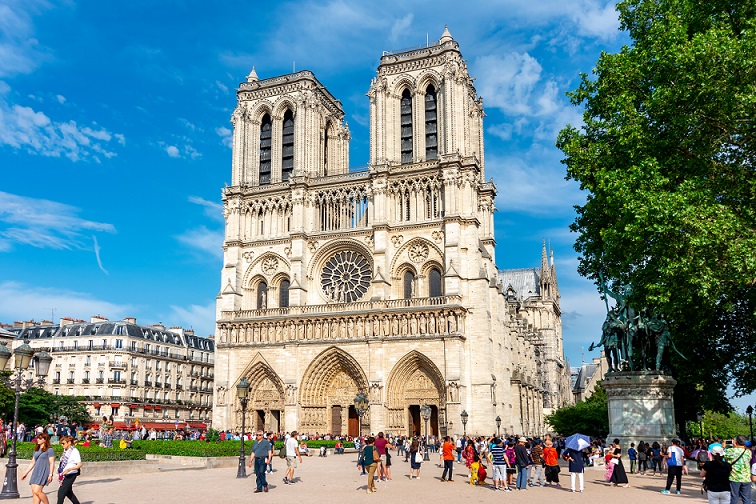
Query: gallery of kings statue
point(382, 281)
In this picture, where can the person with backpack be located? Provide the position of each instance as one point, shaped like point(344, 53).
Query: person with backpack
point(675, 462)
point(740, 477)
point(369, 461)
point(702, 457)
point(655, 455)
point(716, 475)
point(642, 458)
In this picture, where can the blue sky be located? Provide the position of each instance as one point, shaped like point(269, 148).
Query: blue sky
point(114, 136)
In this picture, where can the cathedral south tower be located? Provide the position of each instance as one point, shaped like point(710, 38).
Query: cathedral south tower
point(381, 282)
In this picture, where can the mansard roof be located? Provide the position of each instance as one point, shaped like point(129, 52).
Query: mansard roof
point(114, 328)
point(524, 281)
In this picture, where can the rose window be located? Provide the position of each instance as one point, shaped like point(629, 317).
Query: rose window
point(346, 277)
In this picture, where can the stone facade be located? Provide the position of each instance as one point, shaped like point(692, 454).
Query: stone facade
point(380, 281)
point(127, 370)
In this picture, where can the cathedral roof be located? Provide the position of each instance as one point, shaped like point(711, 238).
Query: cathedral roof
point(524, 281)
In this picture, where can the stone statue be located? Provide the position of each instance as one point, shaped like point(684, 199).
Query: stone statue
point(628, 331)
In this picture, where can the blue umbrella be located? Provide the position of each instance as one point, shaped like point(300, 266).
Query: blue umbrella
point(577, 442)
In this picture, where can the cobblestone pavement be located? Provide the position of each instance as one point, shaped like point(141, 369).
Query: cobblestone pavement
point(335, 478)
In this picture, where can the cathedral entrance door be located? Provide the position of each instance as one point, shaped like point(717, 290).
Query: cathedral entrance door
point(275, 421)
point(354, 422)
point(415, 426)
point(260, 420)
point(433, 422)
point(336, 420)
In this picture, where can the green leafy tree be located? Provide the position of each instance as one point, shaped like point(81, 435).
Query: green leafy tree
point(667, 158)
point(720, 425)
point(589, 417)
point(70, 407)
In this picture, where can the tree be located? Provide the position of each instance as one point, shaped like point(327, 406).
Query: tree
point(720, 425)
point(38, 406)
point(667, 156)
point(589, 417)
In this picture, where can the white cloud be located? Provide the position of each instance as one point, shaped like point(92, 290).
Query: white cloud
point(198, 317)
point(203, 240)
point(226, 136)
point(221, 86)
point(507, 82)
point(121, 139)
point(400, 26)
point(33, 131)
point(61, 99)
point(20, 51)
point(532, 189)
point(44, 224)
point(213, 209)
point(188, 125)
point(172, 151)
point(595, 20)
point(191, 152)
point(19, 301)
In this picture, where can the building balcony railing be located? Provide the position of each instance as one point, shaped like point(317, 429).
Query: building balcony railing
point(194, 374)
point(167, 385)
point(147, 383)
point(56, 381)
point(378, 305)
point(179, 386)
point(158, 384)
point(135, 382)
point(85, 381)
point(194, 388)
point(117, 364)
point(113, 381)
point(72, 365)
point(100, 380)
point(70, 381)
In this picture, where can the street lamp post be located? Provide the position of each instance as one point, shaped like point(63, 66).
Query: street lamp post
point(700, 416)
point(425, 412)
point(498, 426)
point(22, 358)
point(241, 392)
point(749, 410)
point(464, 416)
point(361, 404)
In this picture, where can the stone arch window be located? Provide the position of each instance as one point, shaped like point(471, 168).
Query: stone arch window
point(283, 294)
point(262, 296)
point(431, 137)
point(409, 285)
point(345, 277)
point(406, 131)
point(434, 283)
point(325, 149)
point(287, 146)
point(266, 131)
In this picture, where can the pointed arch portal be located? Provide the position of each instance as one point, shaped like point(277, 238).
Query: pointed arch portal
point(414, 381)
point(329, 386)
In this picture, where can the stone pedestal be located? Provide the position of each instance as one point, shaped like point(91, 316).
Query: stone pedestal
point(640, 407)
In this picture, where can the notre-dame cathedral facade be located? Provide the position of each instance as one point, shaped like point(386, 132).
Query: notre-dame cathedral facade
point(380, 281)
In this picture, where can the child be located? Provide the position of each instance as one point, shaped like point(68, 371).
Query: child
point(474, 468)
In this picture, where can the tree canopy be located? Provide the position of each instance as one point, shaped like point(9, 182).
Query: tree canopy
point(589, 417)
point(666, 156)
point(39, 407)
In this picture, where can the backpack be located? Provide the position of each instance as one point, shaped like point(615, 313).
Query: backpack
point(703, 456)
point(367, 456)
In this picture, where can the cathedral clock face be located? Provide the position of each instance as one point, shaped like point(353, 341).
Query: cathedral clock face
point(346, 277)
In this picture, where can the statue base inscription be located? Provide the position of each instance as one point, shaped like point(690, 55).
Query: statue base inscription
point(641, 407)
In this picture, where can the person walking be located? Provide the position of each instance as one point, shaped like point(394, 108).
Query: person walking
point(716, 475)
point(551, 460)
point(675, 461)
point(499, 461)
point(292, 454)
point(522, 461)
point(416, 459)
point(41, 468)
point(632, 454)
point(619, 476)
point(370, 459)
point(576, 467)
point(536, 456)
point(740, 477)
point(447, 454)
point(262, 452)
point(68, 470)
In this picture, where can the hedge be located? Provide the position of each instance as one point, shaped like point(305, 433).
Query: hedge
point(139, 449)
point(88, 453)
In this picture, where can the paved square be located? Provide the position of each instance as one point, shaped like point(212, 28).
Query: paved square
point(336, 479)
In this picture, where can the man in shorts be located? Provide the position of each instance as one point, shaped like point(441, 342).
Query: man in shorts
point(291, 443)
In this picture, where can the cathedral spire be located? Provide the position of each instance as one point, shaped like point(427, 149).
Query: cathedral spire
point(446, 36)
point(544, 259)
point(252, 77)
